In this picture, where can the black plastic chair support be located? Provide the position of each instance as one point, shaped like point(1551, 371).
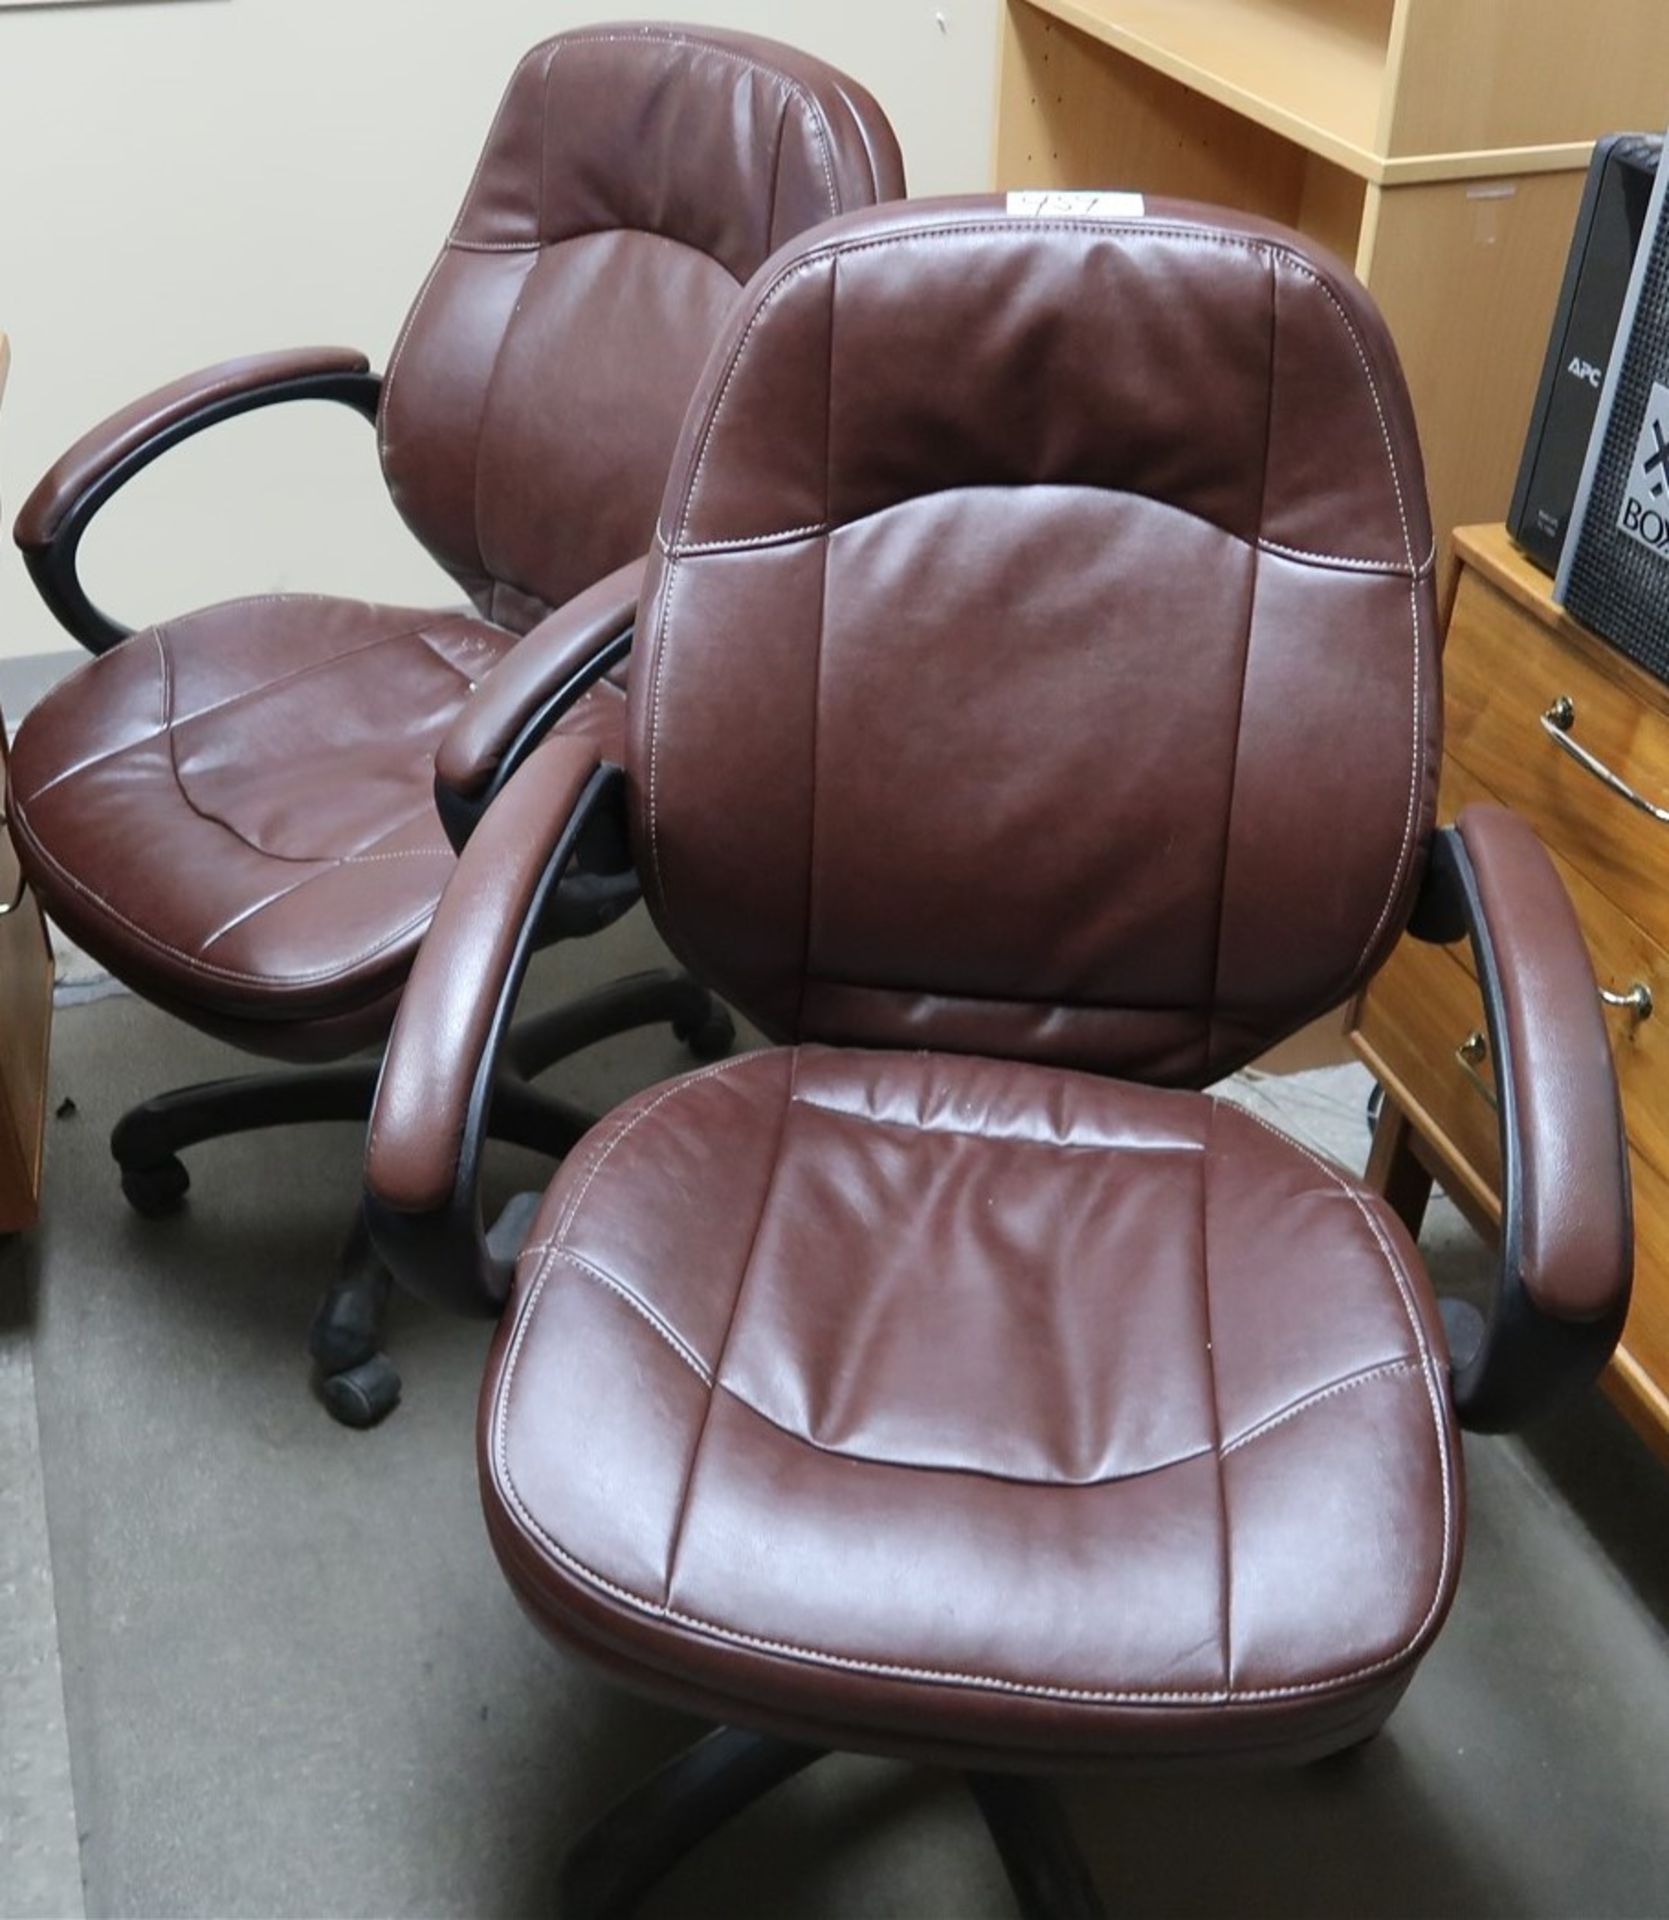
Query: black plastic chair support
point(53, 567)
point(640, 1840)
point(1509, 1367)
point(1039, 1855)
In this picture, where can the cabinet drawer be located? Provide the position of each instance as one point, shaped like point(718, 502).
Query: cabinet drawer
point(1623, 958)
point(1420, 1008)
point(25, 1030)
point(1502, 671)
point(1423, 1005)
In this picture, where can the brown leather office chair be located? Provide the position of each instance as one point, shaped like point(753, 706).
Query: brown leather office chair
point(236, 811)
point(1037, 718)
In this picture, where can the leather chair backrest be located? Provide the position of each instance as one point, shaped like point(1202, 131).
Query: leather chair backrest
point(1042, 652)
point(634, 180)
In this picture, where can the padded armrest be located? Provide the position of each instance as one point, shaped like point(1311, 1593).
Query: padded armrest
point(434, 1097)
point(49, 527)
point(1567, 1239)
point(529, 690)
point(124, 433)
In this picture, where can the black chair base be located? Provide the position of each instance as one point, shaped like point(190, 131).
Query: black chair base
point(642, 1839)
point(357, 1382)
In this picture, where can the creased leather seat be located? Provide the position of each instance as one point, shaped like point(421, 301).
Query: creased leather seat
point(892, 1454)
point(218, 739)
point(291, 898)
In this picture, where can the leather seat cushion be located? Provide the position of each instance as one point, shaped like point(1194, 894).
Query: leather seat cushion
point(967, 1409)
point(234, 811)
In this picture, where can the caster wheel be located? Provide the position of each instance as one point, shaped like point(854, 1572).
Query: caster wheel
point(364, 1394)
point(346, 1331)
point(1376, 1105)
point(713, 1038)
point(155, 1192)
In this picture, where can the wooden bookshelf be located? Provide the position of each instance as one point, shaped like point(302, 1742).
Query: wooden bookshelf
point(1438, 146)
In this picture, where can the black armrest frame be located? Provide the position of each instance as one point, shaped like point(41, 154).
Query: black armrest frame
point(460, 814)
point(447, 1256)
point(53, 567)
point(1511, 1366)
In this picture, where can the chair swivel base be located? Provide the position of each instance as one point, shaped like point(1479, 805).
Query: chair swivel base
point(357, 1382)
point(642, 1839)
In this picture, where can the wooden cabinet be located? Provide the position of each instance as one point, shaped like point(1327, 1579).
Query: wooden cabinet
point(1520, 678)
point(25, 1029)
point(25, 1020)
point(1439, 146)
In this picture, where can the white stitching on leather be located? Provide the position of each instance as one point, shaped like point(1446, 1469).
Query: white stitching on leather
point(1428, 1362)
point(200, 965)
point(733, 1320)
point(825, 148)
point(1391, 567)
point(789, 276)
point(785, 280)
point(70, 682)
point(635, 1120)
point(795, 89)
point(1208, 1139)
point(409, 853)
point(887, 1670)
point(526, 60)
point(783, 539)
point(400, 347)
point(991, 1475)
point(632, 1299)
point(669, 581)
point(547, 49)
point(1315, 1399)
point(422, 631)
point(246, 914)
point(1414, 613)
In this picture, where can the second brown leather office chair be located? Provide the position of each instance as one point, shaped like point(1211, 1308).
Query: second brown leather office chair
point(956, 1379)
point(236, 811)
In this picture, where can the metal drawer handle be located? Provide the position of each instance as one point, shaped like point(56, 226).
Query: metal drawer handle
point(1472, 1053)
point(1558, 721)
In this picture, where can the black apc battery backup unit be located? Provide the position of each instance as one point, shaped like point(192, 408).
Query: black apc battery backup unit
point(1608, 231)
point(1614, 570)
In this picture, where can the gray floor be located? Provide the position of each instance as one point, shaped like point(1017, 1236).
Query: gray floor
point(294, 1684)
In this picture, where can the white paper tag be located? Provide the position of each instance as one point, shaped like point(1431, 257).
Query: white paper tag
point(1077, 206)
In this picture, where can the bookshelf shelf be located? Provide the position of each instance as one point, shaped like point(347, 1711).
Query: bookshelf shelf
point(1312, 72)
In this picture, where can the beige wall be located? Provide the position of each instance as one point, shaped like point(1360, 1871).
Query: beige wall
point(187, 180)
